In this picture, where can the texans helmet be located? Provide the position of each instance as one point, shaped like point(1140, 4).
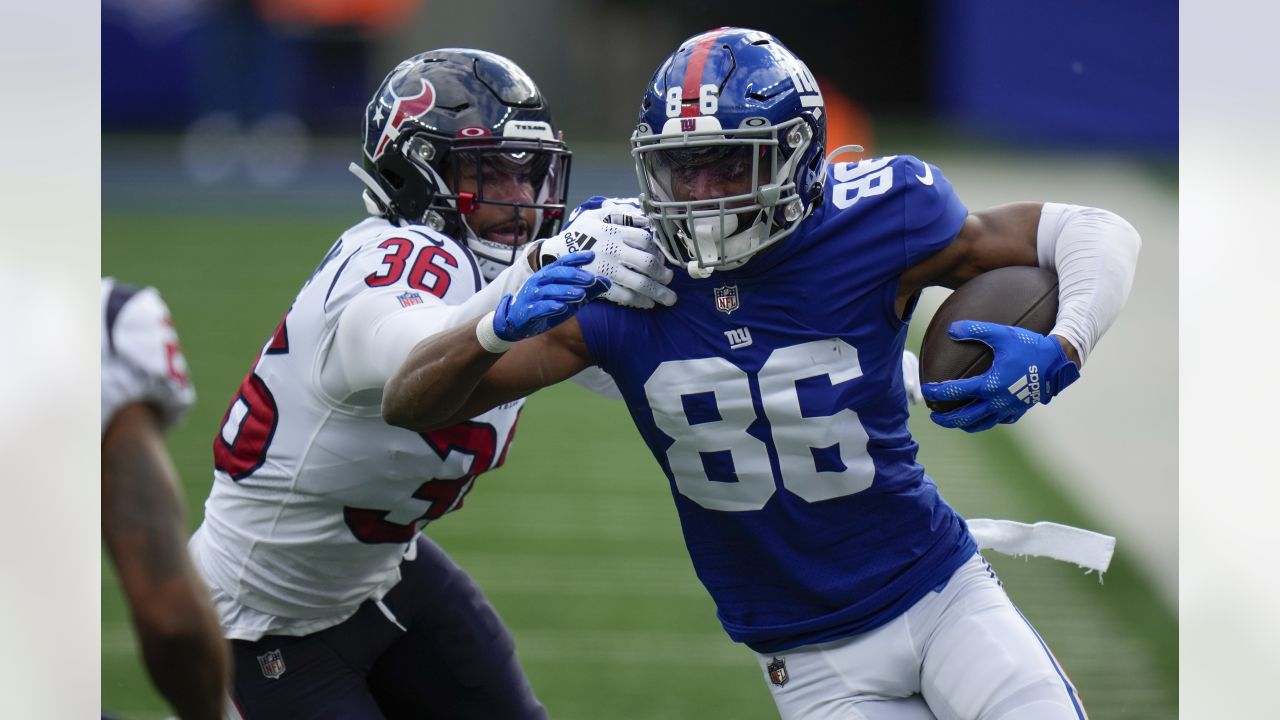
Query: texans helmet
point(445, 113)
point(729, 148)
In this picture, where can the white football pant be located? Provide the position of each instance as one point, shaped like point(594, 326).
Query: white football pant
point(964, 653)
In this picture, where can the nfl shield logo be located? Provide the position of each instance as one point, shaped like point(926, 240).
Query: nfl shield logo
point(409, 298)
point(778, 672)
point(273, 664)
point(727, 298)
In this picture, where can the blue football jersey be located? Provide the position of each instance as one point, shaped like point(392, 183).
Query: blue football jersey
point(772, 398)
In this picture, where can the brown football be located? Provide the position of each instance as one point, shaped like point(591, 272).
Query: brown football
point(1026, 297)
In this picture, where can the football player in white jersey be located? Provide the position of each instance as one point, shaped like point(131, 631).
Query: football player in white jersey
point(335, 603)
point(145, 390)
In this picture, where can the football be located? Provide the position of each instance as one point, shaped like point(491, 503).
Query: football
point(1026, 297)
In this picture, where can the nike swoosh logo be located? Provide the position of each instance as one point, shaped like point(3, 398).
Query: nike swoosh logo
point(927, 178)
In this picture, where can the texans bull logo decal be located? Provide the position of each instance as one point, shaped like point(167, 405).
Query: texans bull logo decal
point(402, 108)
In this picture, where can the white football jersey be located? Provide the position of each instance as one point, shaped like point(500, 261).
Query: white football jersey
point(141, 358)
point(316, 499)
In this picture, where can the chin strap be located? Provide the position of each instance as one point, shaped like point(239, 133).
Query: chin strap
point(845, 149)
point(376, 200)
point(698, 272)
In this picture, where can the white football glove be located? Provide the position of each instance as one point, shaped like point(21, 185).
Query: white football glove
point(626, 255)
point(911, 377)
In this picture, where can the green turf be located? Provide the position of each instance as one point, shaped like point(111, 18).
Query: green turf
point(576, 539)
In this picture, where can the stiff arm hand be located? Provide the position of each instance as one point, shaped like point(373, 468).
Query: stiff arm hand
point(548, 298)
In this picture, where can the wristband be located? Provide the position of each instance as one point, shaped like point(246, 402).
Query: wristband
point(489, 339)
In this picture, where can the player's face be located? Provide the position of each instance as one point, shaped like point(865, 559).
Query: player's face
point(710, 173)
point(498, 178)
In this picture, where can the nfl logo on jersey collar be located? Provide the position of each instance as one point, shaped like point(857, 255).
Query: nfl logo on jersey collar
point(726, 298)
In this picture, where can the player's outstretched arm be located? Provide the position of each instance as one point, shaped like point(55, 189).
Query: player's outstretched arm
point(529, 342)
point(144, 527)
point(376, 331)
point(1094, 253)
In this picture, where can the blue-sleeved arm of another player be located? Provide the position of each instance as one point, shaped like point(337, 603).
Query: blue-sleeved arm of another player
point(593, 203)
point(933, 211)
point(622, 206)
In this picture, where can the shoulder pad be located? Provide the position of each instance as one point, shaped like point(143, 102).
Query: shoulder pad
point(894, 199)
point(413, 258)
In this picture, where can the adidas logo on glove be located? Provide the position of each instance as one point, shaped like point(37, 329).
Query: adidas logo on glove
point(1027, 387)
point(574, 241)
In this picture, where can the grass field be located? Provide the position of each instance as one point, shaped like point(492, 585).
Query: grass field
point(576, 540)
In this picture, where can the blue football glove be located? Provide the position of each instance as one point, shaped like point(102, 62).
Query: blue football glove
point(1028, 368)
point(548, 298)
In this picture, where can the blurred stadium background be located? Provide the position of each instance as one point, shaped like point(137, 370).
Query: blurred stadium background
point(228, 125)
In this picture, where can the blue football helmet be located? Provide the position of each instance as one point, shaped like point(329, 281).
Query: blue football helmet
point(729, 148)
point(455, 112)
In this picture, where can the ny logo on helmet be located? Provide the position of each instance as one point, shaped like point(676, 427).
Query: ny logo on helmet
point(806, 85)
point(402, 107)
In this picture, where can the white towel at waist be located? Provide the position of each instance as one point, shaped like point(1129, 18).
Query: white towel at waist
point(1085, 548)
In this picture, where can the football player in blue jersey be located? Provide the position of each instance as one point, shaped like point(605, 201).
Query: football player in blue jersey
point(770, 393)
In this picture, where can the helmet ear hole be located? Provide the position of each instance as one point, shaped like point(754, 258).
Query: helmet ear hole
point(392, 178)
point(817, 168)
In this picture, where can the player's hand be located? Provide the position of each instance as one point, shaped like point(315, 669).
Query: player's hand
point(625, 251)
point(549, 297)
point(1028, 369)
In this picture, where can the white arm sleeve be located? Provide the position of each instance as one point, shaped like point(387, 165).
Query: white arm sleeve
point(375, 334)
point(1095, 253)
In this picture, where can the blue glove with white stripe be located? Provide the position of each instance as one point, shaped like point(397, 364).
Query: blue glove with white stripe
point(548, 298)
point(1028, 369)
